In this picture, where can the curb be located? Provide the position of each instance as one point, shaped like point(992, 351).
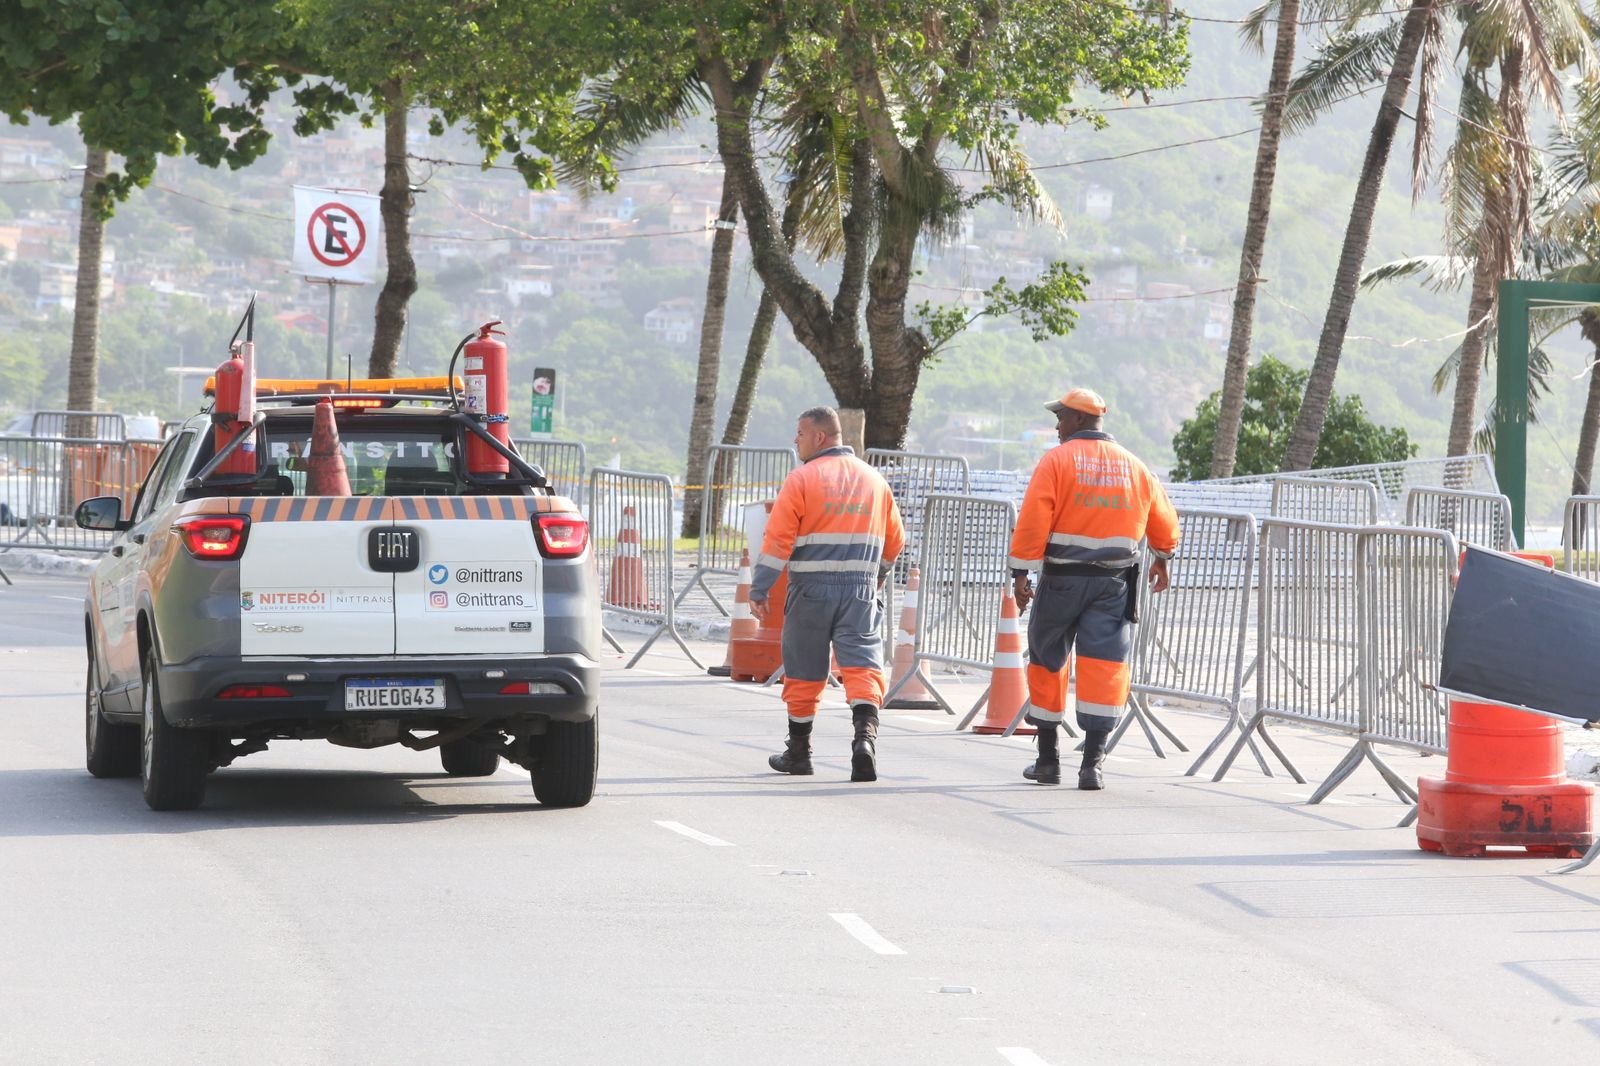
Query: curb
point(50, 563)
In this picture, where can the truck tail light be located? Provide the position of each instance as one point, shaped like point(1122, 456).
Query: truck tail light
point(253, 692)
point(533, 688)
point(213, 536)
point(561, 536)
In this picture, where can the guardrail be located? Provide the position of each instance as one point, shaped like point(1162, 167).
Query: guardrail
point(1315, 499)
point(633, 551)
point(1580, 537)
point(1481, 518)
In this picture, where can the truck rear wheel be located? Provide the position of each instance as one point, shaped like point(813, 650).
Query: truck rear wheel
point(468, 758)
point(569, 762)
point(174, 762)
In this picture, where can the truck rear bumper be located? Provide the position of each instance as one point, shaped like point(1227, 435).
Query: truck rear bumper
point(316, 687)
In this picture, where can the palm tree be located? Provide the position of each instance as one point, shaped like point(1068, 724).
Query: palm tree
point(1231, 411)
point(1529, 43)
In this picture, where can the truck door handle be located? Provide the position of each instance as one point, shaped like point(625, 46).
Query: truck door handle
point(137, 538)
point(117, 550)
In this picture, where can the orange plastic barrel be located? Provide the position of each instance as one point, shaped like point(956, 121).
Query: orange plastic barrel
point(1491, 744)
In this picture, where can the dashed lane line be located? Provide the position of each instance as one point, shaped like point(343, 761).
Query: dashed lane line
point(695, 834)
point(1021, 1056)
point(857, 927)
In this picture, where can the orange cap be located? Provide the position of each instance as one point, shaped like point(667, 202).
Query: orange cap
point(1086, 400)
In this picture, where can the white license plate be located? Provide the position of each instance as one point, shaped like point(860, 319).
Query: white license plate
point(385, 693)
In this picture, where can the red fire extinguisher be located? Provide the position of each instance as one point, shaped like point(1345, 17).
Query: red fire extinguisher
point(232, 412)
point(487, 398)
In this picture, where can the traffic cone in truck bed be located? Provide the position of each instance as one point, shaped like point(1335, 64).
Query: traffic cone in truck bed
point(325, 473)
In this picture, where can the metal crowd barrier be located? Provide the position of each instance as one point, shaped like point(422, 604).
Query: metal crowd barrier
point(734, 478)
point(1349, 627)
point(43, 479)
point(912, 477)
point(631, 528)
point(82, 425)
point(1393, 481)
point(1315, 499)
point(1481, 518)
point(1580, 537)
point(564, 463)
point(1190, 640)
point(964, 574)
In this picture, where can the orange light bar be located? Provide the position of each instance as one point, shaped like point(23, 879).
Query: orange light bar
point(434, 386)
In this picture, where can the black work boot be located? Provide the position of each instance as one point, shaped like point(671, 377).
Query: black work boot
point(795, 758)
point(1090, 779)
point(1046, 770)
point(864, 751)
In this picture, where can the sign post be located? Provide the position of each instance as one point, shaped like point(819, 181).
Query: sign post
point(544, 401)
point(336, 234)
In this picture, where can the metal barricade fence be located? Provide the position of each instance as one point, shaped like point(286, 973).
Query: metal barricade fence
point(1481, 518)
point(1393, 480)
point(734, 478)
point(564, 462)
point(630, 528)
point(42, 481)
point(1376, 686)
point(1307, 645)
point(912, 477)
point(1313, 499)
point(1580, 537)
point(964, 576)
point(83, 425)
point(1190, 640)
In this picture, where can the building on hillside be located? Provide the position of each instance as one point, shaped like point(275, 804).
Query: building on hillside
point(1099, 202)
point(673, 321)
point(303, 322)
point(527, 281)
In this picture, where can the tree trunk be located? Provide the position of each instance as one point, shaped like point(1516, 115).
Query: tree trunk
point(755, 354)
point(898, 351)
point(755, 350)
point(83, 373)
point(1358, 233)
point(702, 421)
point(1226, 448)
point(395, 201)
point(1469, 371)
point(1583, 465)
point(829, 330)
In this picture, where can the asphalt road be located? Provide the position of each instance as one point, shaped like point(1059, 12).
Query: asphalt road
point(330, 905)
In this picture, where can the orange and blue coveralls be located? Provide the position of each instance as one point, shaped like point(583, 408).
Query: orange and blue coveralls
point(1088, 506)
point(836, 528)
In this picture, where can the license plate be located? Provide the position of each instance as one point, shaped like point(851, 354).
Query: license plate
point(397, 693)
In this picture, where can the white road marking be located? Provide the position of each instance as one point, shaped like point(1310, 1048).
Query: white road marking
point(857, 927)
point(1021, 1056)
point(695, 834)
point(69, 599)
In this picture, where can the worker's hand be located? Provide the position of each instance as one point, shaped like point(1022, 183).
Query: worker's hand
point(758, 609)
point(1022, 590)
point(1159, 578)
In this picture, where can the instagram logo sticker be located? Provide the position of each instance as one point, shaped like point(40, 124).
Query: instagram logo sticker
point(438, 599)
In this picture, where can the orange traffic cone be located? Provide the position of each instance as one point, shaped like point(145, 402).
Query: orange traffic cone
point(743, 623)
point(628, 586)
point(1008, 681)
point(325, 473)
point(913, 693)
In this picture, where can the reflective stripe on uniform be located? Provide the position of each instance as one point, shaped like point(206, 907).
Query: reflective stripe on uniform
point(832, 566)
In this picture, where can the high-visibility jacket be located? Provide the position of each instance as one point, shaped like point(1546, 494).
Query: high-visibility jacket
point(1091, 502)
point(834, 518)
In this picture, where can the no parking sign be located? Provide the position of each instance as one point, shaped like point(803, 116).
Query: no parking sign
point(335, 234)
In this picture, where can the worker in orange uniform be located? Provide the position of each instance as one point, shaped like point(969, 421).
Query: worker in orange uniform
point(836, 527)
point(1089, 504)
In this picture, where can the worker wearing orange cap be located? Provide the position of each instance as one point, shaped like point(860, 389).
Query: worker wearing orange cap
point(1088, 506)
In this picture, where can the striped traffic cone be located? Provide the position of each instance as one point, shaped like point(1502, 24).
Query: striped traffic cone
point(325, 474)
point(913, 693)
point(628, 587)
point(1008, 681)
point(742, 623)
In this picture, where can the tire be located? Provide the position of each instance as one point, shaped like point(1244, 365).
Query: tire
point(174, 762)
point(110, 749)
point(468, 757)
point(569, 761)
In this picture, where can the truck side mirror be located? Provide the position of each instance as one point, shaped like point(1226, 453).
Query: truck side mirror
point(101, 512)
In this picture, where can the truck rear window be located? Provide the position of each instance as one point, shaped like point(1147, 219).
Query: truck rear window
point(379, 460)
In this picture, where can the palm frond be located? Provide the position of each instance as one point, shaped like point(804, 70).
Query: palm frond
point(1446, 373)
point(1427, 89)
point(1439, 272)
point(1347, 63)
point(1013, 179)
point(619, 112)
point(1253, 28)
